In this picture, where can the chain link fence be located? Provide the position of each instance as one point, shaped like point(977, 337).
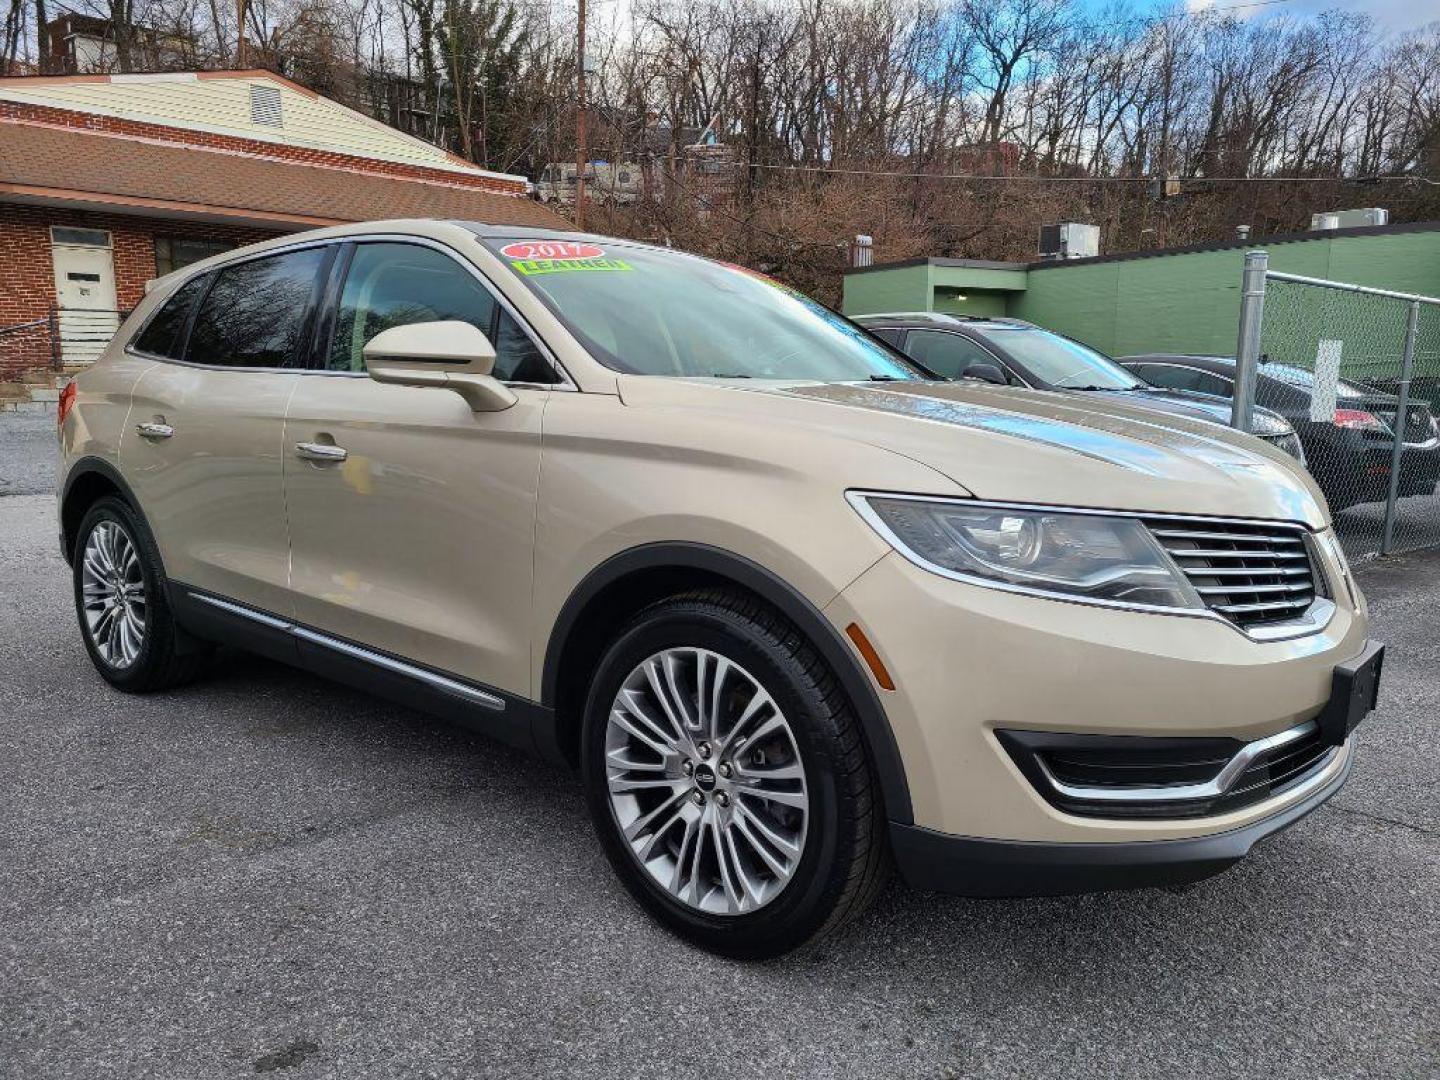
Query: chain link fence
point(1357, 372)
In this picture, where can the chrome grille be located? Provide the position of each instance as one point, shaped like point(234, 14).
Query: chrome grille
point(1252, 573)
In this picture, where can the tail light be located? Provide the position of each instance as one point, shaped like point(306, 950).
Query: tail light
point(67, 399)
point(1360, 420)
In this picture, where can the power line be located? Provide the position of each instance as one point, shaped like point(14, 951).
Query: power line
point(897, 175)
point(1226, 7)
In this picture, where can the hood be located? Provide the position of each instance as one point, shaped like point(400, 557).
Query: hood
point(1023, 445)
point(1201, 407)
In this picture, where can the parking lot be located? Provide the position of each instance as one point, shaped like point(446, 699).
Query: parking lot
point(267, 873)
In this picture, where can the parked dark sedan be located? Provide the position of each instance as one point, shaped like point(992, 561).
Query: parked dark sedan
point(1018, 353)
point(1349, 454)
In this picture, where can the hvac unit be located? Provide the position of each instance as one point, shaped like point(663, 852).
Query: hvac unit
point(1349, 219)
point(1069, 241)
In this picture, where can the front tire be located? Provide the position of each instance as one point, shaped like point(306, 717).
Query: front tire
point(728, 780)
point(125, 618)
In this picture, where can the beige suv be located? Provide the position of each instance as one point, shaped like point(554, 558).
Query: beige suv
point(792, 607)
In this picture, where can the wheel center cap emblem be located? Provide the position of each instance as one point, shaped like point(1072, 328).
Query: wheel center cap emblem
point(704, 777)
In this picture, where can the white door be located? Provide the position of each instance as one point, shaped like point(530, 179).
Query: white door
point(85, 293)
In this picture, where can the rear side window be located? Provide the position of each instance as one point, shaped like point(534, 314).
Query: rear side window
point(256, 312)
point(889, 335)
point(390, 285)
point(162, 336)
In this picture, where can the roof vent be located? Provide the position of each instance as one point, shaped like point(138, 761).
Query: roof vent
point(265, 106)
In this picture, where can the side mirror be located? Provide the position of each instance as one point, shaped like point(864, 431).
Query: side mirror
point(985, 373)
point(450, 354)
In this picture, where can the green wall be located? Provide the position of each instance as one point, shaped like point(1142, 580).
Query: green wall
point(1191, 302)
point(903, 288)
point(1179, 301)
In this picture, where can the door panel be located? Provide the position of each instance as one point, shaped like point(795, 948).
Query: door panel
point(204, 449)
point(212, 489)
point(419, 542)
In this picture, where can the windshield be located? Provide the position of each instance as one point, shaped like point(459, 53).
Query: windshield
point(1061, 362)
point(651, 312)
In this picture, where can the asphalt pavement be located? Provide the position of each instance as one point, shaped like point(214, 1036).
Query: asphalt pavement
point(265, 873)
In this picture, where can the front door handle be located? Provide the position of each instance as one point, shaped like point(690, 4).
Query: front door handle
point(150, 430)
point(314, 451)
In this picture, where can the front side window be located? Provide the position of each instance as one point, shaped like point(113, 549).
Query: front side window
point(1059, 361)
point(162, 336)
point(255, 314)
point(652, 312)
point(391, 284)
point(1169, 376)
point(947, 354)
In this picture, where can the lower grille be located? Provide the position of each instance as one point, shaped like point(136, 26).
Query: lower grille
point(1128, 776)
point(1253, 573)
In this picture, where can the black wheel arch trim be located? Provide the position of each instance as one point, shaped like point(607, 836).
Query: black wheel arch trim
point(875, 725)
point(94, 466)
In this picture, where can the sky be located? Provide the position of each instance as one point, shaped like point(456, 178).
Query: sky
point(1395, 16)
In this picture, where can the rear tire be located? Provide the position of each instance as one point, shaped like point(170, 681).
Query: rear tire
point(768, 833)
point(120, 602)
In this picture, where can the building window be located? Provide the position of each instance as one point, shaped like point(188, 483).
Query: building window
point(59, 234)
point(265, 106)
point(172, 253)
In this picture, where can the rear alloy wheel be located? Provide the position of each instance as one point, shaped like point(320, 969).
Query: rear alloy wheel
point(112, 591)
point(120, 601)
point(728, 779)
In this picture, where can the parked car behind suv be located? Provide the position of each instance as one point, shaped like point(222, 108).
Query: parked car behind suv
point(1349, 452)
point(1017, 353)
point(791, 606)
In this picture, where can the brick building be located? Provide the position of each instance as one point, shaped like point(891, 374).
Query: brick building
point(109, 181)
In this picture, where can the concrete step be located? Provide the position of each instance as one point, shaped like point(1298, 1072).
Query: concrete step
point(13, 405)
point(44, 393)
point(38, 376)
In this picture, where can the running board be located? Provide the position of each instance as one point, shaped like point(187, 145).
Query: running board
point(514, 720)
point(357, 652)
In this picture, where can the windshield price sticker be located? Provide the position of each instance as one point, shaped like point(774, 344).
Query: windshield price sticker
point(536, 267)
point(551, 251)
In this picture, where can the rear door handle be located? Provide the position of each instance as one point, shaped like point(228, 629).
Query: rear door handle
point(149, 430)
point(314, 451)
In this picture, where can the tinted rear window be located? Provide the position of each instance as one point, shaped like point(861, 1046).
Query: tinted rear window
point(254, 315)
point(162, 336)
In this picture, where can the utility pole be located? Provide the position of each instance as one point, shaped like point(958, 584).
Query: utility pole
point(580, 151)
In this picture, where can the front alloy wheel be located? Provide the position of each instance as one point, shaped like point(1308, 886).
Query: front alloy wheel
point(728, 778)
point(706, 781)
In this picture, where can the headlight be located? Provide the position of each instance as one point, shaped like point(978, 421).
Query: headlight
point(1096, 559)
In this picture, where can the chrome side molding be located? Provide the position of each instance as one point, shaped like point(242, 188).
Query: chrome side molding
point(303, 633)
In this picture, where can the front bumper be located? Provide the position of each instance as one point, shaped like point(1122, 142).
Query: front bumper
point(969, 662)
point(971, 866)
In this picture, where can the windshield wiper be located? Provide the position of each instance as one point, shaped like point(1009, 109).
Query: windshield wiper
point(887, 378)
point(1102, 389)
point(727, 375)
